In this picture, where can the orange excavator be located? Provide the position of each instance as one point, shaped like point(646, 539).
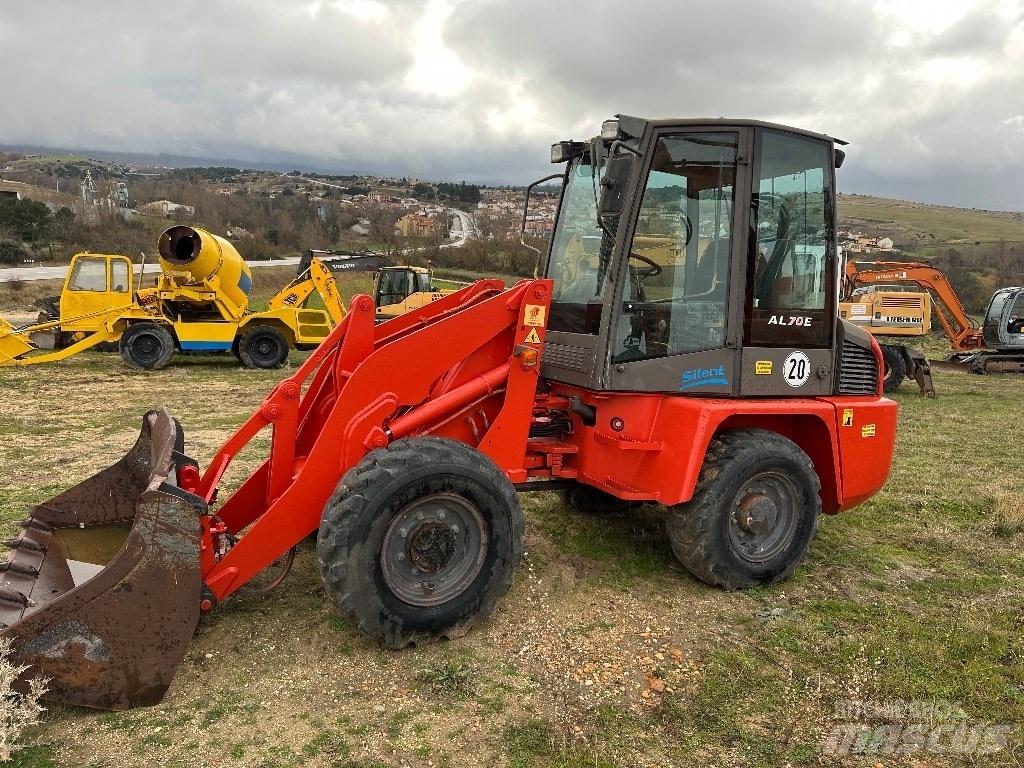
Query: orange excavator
point(997, 345)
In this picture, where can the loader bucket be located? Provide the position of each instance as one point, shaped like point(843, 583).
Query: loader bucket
point(101, 590)
point(12, 343)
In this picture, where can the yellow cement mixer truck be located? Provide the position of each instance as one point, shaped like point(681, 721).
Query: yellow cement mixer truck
point(199, 304)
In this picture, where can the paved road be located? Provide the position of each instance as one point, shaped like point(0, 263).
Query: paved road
point(466, 225)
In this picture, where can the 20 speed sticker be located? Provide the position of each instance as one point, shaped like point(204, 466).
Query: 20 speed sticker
point(796, 369)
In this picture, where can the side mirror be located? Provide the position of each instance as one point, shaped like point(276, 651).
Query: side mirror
point(614, 184)
point(840, 156)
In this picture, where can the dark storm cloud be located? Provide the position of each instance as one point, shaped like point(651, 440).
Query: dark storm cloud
point(932, 98)
point(935, 115)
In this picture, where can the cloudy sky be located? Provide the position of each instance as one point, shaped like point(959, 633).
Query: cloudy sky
point(929, 92)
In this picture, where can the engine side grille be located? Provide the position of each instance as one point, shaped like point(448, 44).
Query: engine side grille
point(858, 371)
point(903, 302)
point(570, 358)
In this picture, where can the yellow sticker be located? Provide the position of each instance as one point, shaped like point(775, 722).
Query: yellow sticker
point(535, 315)
point(848, 417)
point(868, 430)
point(763, 368)
point(532, 337)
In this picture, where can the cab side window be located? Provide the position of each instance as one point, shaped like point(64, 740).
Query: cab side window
point(119, 276)
point(678, 267)
point(89, 274)
point(792, 244)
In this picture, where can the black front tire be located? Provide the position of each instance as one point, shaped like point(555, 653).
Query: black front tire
point(895, 368)
point(753, 515)
point(373, 542)
point(148, 346)
point(263, 347)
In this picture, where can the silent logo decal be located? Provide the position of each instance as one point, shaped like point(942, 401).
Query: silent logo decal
point(703, 377)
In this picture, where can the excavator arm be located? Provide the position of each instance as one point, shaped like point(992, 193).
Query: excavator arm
point(963, 333)
point(317, 279)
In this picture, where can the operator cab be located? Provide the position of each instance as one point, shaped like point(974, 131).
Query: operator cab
point(1003, 327)
point(695, 256)
point(396, 284)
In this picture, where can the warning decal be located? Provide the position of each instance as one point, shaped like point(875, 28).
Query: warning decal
point(532, 337)
point(535, 315)
point(847, 417)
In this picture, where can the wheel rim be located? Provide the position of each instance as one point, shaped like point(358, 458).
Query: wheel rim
point(434, 549)
point(264, 349)
point(146, 348)
point(763, 517)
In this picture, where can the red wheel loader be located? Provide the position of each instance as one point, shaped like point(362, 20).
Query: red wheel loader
point(681, 348)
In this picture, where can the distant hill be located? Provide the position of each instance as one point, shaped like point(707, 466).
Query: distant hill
point(42, 194)
point(920, 227)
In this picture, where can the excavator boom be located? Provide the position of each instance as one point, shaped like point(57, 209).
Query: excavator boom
point(962, 332)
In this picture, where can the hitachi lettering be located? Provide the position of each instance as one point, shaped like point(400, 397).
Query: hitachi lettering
point(700, 377)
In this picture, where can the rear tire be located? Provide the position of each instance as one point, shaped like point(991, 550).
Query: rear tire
point(263, 347)
point(420, 540)
point(895, 368)
point(148, 346)
point(753, 515)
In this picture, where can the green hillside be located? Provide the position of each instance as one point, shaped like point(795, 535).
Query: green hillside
point(914, 225)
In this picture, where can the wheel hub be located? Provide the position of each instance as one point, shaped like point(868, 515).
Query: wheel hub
point(757, 514)
point(431, 546)
point(434, 549)
point(764, 517)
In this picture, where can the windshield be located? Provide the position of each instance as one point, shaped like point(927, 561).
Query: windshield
point(395, 287)
point(574, 263)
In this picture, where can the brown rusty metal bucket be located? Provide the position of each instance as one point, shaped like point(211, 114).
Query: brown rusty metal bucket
point(101, 590)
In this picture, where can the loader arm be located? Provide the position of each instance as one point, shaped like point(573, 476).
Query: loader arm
point(17, 348)
point(963, 333)
point(475, 350)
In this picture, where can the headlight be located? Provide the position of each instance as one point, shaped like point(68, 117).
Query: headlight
point(561, 151)
point(610, 130)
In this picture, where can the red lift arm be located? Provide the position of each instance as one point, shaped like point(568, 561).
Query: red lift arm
point(365, 386)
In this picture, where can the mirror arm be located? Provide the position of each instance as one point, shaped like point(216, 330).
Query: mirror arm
point(620, 144)
point(526, 210)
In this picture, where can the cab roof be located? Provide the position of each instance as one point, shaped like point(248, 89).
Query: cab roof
point(635, 125)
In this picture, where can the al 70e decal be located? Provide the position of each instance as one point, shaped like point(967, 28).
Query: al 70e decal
point(801, 320)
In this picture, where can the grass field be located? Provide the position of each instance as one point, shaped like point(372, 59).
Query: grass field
point(917, 595)
point(918, 223)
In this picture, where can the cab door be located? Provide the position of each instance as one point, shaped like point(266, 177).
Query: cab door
point(790, 303)
point(95, 285)
point(672, 329)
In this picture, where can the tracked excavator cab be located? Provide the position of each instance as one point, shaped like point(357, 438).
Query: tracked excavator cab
point(1003, 326)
